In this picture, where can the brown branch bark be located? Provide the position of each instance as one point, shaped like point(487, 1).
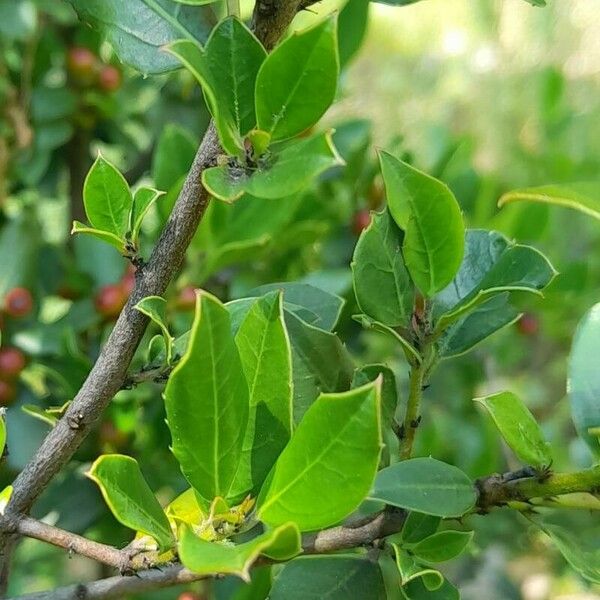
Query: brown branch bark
point(110, 370)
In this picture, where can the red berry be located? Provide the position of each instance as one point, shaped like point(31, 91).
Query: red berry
point(112, 437)
point(187, 298)
point(189, 596)
point(110, 300)
point(109, 78)
point(528, 324)
point(18, 302)
point(12, 362)
point(360, 221)
point(81, 63)
point(8, 392)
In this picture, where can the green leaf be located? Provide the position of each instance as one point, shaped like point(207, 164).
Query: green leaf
point(442, 546)
point(227, 70)
point(186, 509)
point(338, 577)
point(2, 432)
point(383, 288)
point(491, 265)
point(138, 29)
point(352, 28)
point(266, 357)
point(584, 378)
point(581, 549)
point(427, 211)
point(154, 307)
point(298, 80)
point(327, 468)
point(5, 496)
point(325, 306)
point(107, 198)
point(286, 173)
point(418, 526)
point(582, 196)
point(212, 558)
point(173, 156)
point(105, 236)
point(129, 497)
point(483, 321)
point(518, 427)
point(425, 485)
point(143, 200)
point(206, 400)
point(417, 590)
point(320, 363)
point(410, 570)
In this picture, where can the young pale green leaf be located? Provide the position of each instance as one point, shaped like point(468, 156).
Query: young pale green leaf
point(320, 363)
point(227, 70)
point(582, 196)
point(138, 29)
point(584, 378)
point(212, 558)
point(266, 357)
point(492, 265)
point(442, 546)
point(326, 470)
point(2, 432)
point(186, 508)
point(382, 285)
point(325, 306)
point(425, 485)
point(427, 211)
point(418, 526)
point(129, 497)
point(288, 172)
point(143, 200)
point(581, 549)
point(206, 401)
point(107, 199)
point(105, 236)
point(154, 307)
point(410, 569)
point(518, 427)
point(487, 318)
point(335, 577)
point(5, 496)
point(297, 82)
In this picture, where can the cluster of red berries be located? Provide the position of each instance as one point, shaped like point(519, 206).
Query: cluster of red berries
point(86, 70)
point(18, 303)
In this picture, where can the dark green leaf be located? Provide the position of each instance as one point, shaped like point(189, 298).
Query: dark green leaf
point(297, 82)
point(173, 156)
point(425, 485)
point(326, 470)
point(418, 526)
point(352, 28)
point(411, 570)
point(382, 285)
point(442, 546)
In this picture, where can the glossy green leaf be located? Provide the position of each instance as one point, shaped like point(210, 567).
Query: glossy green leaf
point(389, 390)
point(492, 265)
point(518, 427)
point(417, 590)
point(325, 306)
point(155, 307)
point(286, 173)
point(326, 470)
point(5, 496)
point(186, 508)
point(143, 199)
point(107, 199)
point(212, 558)
point(383, 288)
point(418, 526)
point(320, 363)
point(584, 378)
point(352, 28)
point(425, 485)
point(410, 569)
point(129, 497)
point(427, 211)
point(2, 432)
point(582, 196)
point(442, 546)
point(487, 318)
point(297, 82)
point(227, 70)
point(109, 238)
point(266, 357)
point(581, 549)
point(338, 577)
point(139, 29)
point(206, 401)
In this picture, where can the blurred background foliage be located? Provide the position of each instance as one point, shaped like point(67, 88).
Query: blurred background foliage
point(487, 95)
